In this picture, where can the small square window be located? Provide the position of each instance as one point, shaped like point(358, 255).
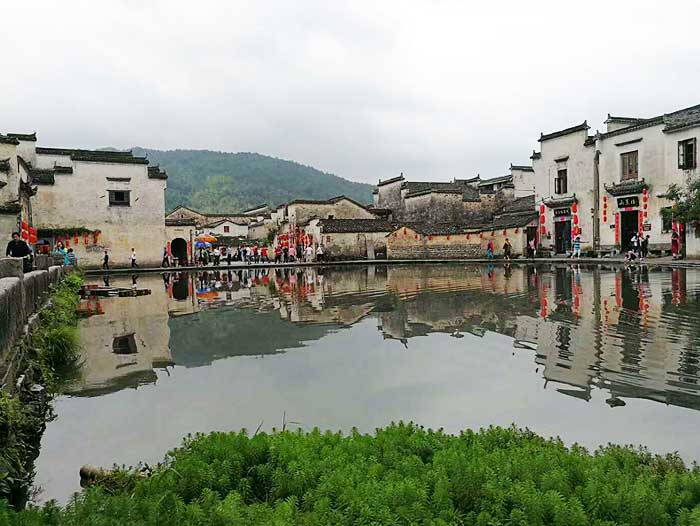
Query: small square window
point(561, 182)
point(124, 344)
point(226, 229)
point(119, 198)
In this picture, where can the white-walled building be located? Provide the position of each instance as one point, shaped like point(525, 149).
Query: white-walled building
point(94, 201)
point(609, 186)
point(16, 190)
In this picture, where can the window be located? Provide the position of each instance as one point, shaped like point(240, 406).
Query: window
point(331, 216)
point(226, 229)
point(667, 219)
point(687, 154)
point(629, 165)
point(119, 197)
point(560, 183)
point(124, 344)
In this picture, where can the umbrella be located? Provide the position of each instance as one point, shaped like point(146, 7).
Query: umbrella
point(208, 238)
point(201, 244)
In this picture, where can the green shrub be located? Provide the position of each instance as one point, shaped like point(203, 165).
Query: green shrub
point(401, 475)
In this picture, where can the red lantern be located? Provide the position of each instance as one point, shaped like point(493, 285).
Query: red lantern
point(481, 235)
point(430, 238)
point(86, 238)
point(505, 232)
point(574, 207)
point(467, 236)
point(544, 231)
point(493, 233)
point(33, 238)
point(541, 209)
point(95, 236)
point(448, 238)
point(76, 238)
point(542, 220)
point(575, 219)
point(517, 230)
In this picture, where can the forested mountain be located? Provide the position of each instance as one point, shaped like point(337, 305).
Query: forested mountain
point(218, 181)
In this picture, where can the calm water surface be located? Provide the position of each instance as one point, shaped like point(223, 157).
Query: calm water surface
point(593, 355)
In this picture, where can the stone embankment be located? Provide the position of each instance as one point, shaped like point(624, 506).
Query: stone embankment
point(21, 294)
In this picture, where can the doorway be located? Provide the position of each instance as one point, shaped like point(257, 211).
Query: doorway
point(562, 237)
point(178, 249)
point(629, 225)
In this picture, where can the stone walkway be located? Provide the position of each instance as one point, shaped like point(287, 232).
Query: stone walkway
point(617, 261)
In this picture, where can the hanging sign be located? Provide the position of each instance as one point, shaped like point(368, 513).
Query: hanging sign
point(624, 202)
point(646, 227)
point(560, 212)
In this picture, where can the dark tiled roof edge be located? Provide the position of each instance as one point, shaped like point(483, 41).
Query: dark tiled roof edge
point(389, 181)
point(654, 121)
point(579, 127)
point(348, 226)
point(494, 180)
point(31, 137)
point(522, 167)
point(4, 139)
point(155, 172)
point(264, 205)
point(180, 222)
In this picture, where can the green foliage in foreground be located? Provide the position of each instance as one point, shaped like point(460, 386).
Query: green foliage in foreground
point(402, 475)
point(48, 358)
point(686, 202)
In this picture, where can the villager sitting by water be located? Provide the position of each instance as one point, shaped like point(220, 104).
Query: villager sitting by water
point(631, 257)
point(507, 250)
point(70, 259)
point(17, 248)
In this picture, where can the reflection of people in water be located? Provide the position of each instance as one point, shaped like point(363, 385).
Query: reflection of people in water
point(489, 270)
point(105, 280)
point(508, 270)
point(134, 279)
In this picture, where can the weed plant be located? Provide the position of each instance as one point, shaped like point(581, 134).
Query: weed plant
point(48, 358)
point(403, 474)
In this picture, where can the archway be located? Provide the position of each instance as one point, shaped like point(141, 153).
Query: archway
point(178, 250)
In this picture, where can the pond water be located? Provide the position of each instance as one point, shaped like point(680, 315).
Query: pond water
point(593, 355)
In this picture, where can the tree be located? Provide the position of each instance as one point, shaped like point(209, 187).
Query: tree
point(686, 202)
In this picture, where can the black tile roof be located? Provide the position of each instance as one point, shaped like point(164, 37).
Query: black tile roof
point(42, 176)
point(522, 204)
point(156, 172)
point(496, 180)
point(624, 120)
point(512, 220)
point(4, 139)
point(417, 188)
point(632, 186)
point(263, 205)
point(521, 167)
point(180, 222)
point(682, 119)
point(63, 169)
point(438, 229)
point(347, 226)
point(580, 127)
point(389, 181)
point(10, 207)
point(100, 156)
point(535, 155)
point(23, 136)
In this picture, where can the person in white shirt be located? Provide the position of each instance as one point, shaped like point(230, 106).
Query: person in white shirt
point(309, 254)
point(133, 258)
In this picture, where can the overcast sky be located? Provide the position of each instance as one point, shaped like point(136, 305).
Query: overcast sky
point(361, 89)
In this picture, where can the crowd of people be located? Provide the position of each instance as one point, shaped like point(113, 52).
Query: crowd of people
point(250, 254)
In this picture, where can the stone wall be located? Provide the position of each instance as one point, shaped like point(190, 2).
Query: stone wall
point(20, 296)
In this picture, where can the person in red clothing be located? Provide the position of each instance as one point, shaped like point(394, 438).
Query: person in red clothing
point(263, 255)
point(489, 249)
point(278, 254)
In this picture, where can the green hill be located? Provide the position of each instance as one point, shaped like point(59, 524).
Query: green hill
point(214, 181)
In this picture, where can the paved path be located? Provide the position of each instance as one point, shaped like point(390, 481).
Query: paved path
point(652, 262)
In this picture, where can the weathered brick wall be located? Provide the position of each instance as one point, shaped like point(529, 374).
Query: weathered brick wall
point(389, 196)
point(407, 244)
point(435, 208)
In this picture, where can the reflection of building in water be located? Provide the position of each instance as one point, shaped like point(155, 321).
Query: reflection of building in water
point(632, 333)
point(126, 340)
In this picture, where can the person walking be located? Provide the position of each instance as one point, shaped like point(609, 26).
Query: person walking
point(489, 249)
point(217, 256)
point(285, 254)
point(645, 246)
point(133, 259)
point(278, 254)
point(507, 250)
point(105, 261)
point(309, 254)
point(531, 249)
point(577, 247)
point(319, 253)
point(292, 253)
point(166, 260)
point(635, 244)
point(229, 256)
point(18, 248)
point(263, 255)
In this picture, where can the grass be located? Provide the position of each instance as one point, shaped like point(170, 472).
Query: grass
point(402, 474)
point(47, 358)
